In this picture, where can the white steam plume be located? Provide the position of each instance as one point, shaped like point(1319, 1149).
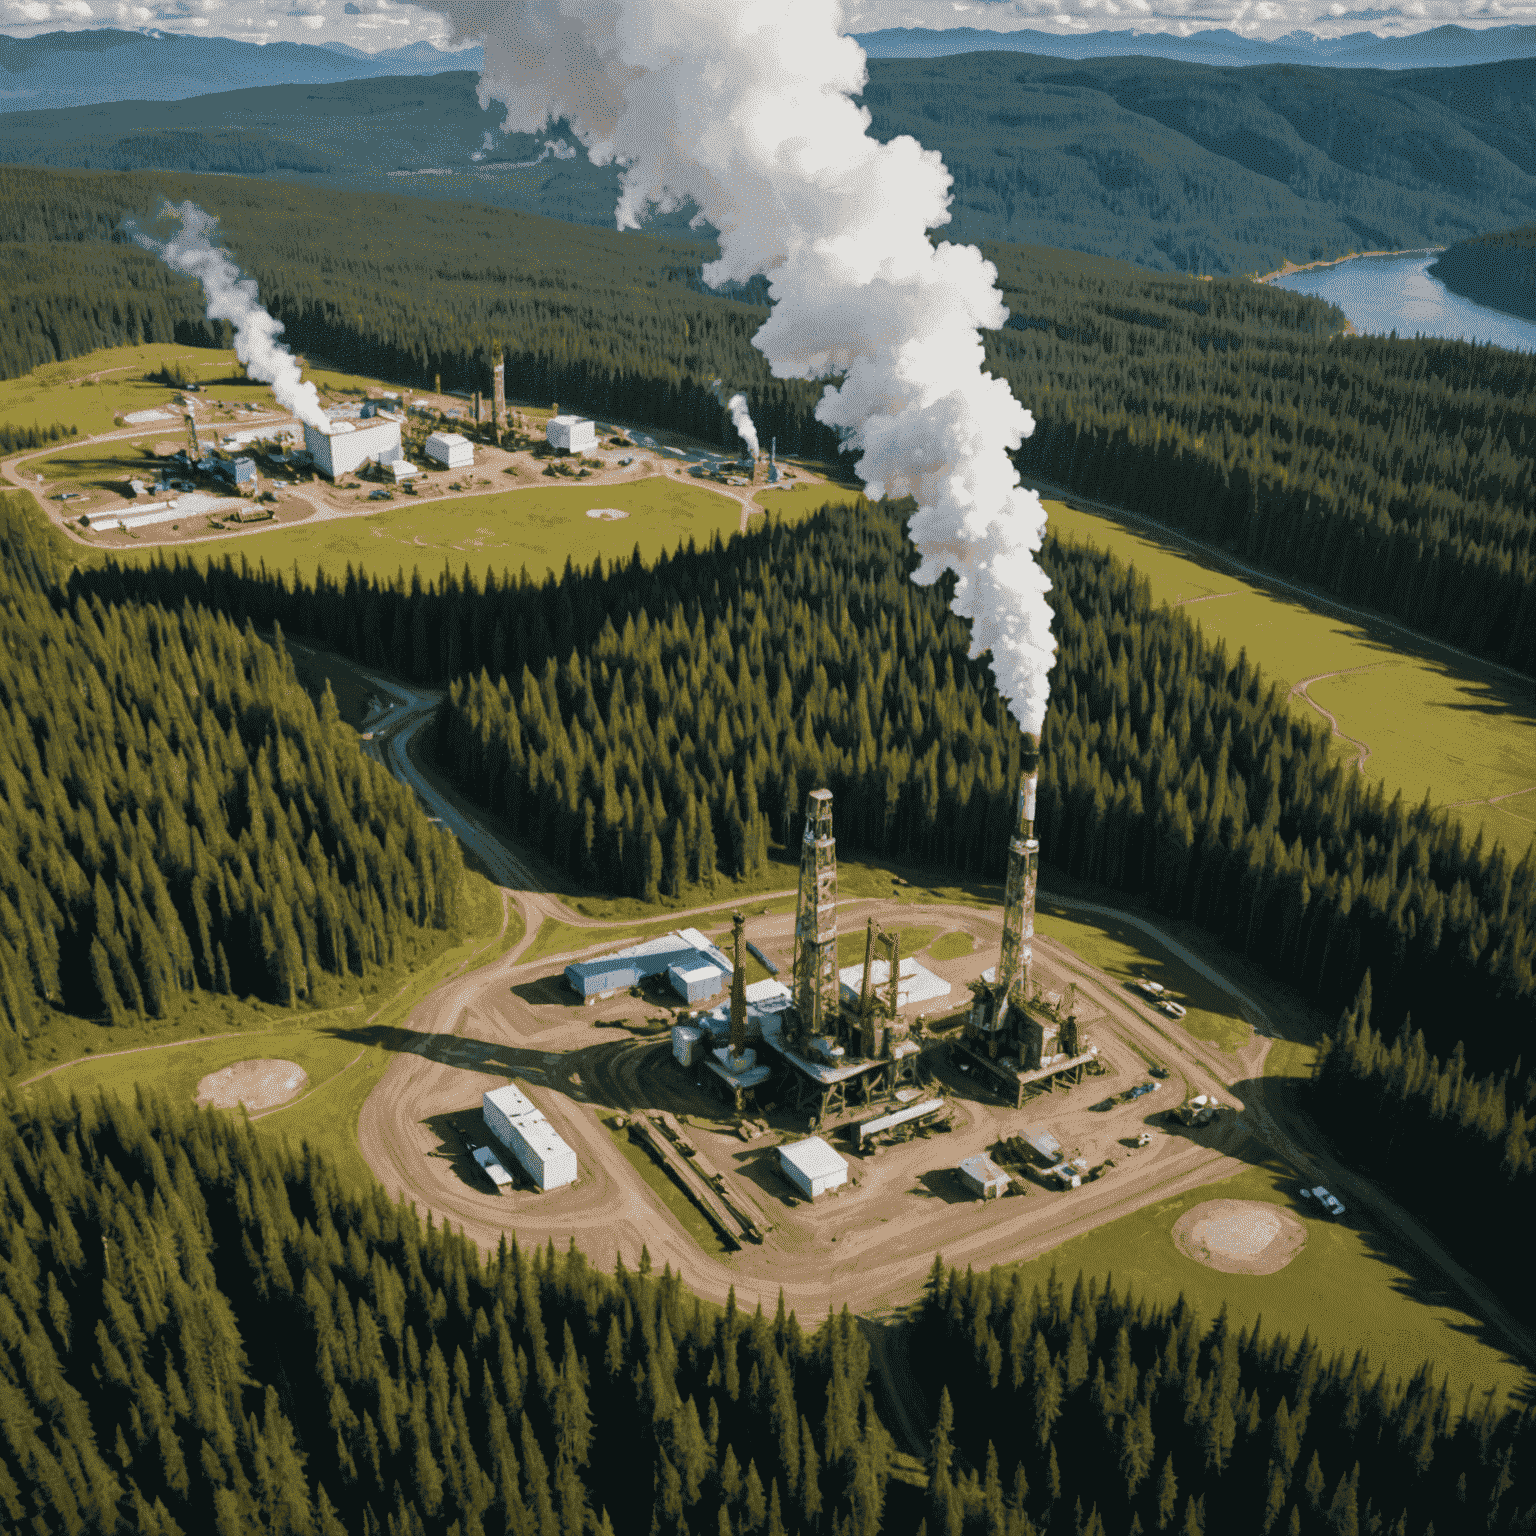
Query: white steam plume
point(741, 418)
point(746, 108)
point(234, 298)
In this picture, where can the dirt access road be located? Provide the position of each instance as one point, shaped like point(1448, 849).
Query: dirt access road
point(872, 1245)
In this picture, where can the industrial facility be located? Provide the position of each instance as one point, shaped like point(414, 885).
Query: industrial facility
point(451, 449)
point(695, 969)
point(343, 447)
point(571, 434)
point(521, 1127)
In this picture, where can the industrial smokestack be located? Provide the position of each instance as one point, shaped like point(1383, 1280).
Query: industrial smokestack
point(498, 390)
point(1013, 969)
point(738, 988)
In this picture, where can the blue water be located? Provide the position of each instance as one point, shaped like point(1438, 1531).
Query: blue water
point(1380, 294)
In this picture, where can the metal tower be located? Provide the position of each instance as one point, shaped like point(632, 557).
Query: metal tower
point(816, 995)
point(1013, 965)
point(498, 390)
point(738, 989)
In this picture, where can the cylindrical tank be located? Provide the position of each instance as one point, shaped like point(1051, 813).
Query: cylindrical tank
point(687, 1044)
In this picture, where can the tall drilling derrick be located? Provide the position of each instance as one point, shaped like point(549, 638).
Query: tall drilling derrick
point(816, 1005)
point(498, 391)
point(738, 992)
point(999, 1014)
point(194, 450)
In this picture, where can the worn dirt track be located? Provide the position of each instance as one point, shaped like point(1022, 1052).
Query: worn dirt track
point(871, 1247)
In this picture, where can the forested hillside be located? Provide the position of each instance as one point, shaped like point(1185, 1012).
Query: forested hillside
point(204, 1333)
point(1395, 475)
point(646, 728)
point(1141, 1420)
point(1498, 270)
point(174, 815)
point(1173, 165)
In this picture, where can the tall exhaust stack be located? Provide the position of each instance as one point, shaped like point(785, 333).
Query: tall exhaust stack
point(738, 989)
point(816, 986)
point(1019, 895)
point(498, 390)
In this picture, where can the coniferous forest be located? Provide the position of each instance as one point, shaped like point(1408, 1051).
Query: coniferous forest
point(1498, 270)
point(175, 815)
point(647, 727)
point(203, 1333)
point(1395, 475)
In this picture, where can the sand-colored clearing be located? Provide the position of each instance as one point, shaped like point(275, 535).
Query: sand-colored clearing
point(261, 1084)
point(1240, 1237)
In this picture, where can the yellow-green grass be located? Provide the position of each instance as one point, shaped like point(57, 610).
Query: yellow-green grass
point(99, 465)
point(336, 1047)
point(953, 946)
point(1434, 721)
point(1341, 1287)
point(688, 1214)
point(540, 527)
point(850, 946)
point(1123, 951)
point(792, 502)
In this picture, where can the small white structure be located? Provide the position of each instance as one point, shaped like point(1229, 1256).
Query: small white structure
point(983, 1177)
point(812, 1167)
point(403, 469)
point(493, 1170)
point(571, 434)
point(451, 449)
point(914, 983)
point(687, 1045)
point(519, 1124)
point(342, 448)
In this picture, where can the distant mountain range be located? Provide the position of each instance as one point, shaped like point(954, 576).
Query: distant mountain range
point(77, 69)
point(1438, 48)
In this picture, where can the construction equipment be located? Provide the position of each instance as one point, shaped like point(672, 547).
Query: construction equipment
point(1200, 1110)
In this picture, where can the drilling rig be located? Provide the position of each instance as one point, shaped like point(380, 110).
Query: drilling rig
point(816, 1006)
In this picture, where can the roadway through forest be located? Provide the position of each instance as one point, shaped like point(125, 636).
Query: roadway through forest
point(870, 1252)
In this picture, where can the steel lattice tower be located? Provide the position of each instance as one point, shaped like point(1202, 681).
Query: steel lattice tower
point(816, 985)
point(1019, 895)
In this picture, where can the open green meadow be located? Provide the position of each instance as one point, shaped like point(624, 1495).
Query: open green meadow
point(1344, 1287)
point(539, 528)
point(1435, 722)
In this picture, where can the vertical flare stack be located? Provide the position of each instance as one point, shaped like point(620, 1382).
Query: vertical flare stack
point(738, 991)
point(816, 984)
point(1019, 895)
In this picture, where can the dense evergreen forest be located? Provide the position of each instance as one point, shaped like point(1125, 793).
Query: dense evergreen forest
point(205, 1333)
point(175, 815)
point(1395, 475)
point(1498, 270)
point(644, 728)
point(1140, 1420)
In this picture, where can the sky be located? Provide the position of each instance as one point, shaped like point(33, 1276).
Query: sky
point(373, 25)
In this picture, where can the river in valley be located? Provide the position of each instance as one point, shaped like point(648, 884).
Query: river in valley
point(1380, 294)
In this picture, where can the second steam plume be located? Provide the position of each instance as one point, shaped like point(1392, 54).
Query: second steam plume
point(234, 298)
point(741, 418)
point(747, 109)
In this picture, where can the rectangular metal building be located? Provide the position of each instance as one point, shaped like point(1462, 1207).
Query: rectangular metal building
point(343, 447)
point(451, 449)
point(501, 1106)
point(983, 1177)
point(571, 434)
point(695, 983)
point(520, 1126)
point(812, 1167)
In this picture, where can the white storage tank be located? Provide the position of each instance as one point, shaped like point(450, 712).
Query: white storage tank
point(687, 1044)
point(812, 1167)
point(571, 434)
point(451, 449)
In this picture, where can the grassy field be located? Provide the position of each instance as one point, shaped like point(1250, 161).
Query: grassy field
point(688, 1214)
point(539, 528)
point(1342, 1287)
point(953, 946)
point(1434, 722)
point(332, 1047)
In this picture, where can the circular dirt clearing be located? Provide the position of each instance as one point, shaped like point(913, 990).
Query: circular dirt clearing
point(256, 1084)
point(1240, 1237)
point(606, 514)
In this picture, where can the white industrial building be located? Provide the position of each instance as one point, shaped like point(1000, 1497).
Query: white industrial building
point(451, 449)
point(812, 1167)
point(983, 1177)
point(571, 434)
point(343, 447)
point(914, 983)
point(521, 1127)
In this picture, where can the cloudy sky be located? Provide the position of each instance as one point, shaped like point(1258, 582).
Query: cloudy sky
point(377, 24)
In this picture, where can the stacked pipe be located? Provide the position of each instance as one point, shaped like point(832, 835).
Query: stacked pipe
point(1013, 971)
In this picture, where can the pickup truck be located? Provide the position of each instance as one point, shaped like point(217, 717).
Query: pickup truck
point(1331, 1204)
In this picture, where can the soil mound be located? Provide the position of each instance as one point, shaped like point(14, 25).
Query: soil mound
point(1240, 1237)
point(258, 1085)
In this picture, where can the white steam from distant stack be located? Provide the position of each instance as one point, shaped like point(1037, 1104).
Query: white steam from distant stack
point(745, 108)
point(741, 418)
point(234, 298)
